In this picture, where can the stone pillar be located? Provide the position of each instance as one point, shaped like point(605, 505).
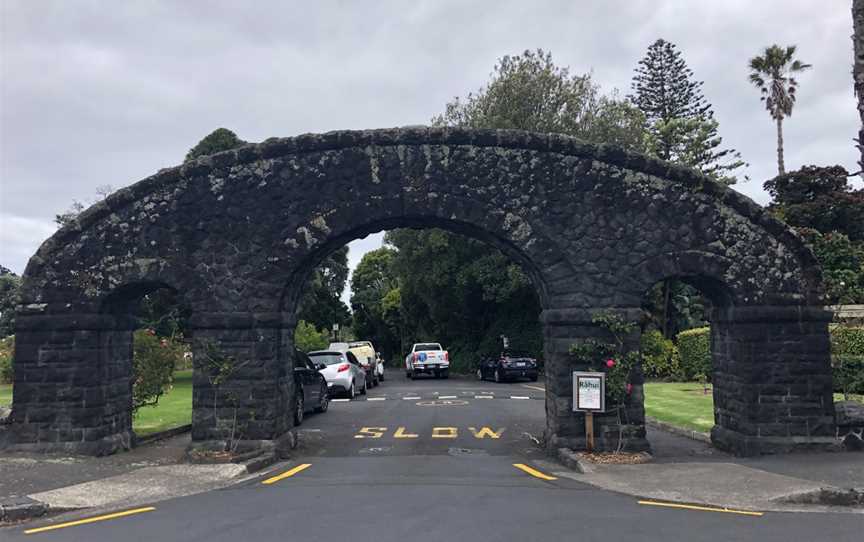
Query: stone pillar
point(565, 428)
point(247, 407)
point(772, 379)
point(73, 384)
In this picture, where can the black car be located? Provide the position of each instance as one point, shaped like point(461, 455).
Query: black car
point(311, 388)
point(508, 365)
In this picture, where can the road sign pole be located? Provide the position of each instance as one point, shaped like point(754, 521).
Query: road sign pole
point(589, 431)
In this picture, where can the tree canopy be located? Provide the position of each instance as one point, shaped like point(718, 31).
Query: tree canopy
point(220, 139)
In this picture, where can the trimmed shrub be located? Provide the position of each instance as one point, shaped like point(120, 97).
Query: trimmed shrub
point(659, 356)
point(694, 352)
point(7, 351)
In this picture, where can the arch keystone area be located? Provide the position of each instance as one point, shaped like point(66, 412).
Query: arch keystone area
point(236, 233)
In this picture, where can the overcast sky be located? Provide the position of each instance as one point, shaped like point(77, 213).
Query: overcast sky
point(106, 93)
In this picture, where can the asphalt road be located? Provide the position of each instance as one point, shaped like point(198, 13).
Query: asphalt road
point(432, 460)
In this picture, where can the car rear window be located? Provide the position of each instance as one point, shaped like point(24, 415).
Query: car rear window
point(430, 346)
point(328, 358)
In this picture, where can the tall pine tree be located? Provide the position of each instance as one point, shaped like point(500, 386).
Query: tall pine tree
point(681, 124)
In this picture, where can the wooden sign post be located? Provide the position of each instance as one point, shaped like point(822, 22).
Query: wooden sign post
point(589, 396)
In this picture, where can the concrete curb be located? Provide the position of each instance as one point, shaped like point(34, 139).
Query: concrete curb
point(680, 431)
point(162, 435)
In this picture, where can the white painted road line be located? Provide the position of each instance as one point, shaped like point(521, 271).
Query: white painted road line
point(339, 400)
point(483, 397)
point(538, 388)
point(376, 399)
point(410, 398)
point(519, 397)
point(446, 397)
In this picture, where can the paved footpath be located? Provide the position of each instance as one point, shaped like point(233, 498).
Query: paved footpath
point(438, 460)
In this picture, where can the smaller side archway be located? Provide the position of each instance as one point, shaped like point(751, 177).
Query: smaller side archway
point(770, 374)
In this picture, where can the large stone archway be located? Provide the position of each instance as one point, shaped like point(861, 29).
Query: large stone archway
point(236, 233)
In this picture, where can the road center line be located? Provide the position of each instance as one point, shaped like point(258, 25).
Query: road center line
point(521, 397)
point(340, 400)
point(287, 474)
point(412, 398)
point(376, 399)
point(90, 520)
point(702, 508)
point(483, 397)
point(447, 397)
point(533, 472)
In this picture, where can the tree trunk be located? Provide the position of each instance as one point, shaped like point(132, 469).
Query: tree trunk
point(781, 167)
point(858, 72)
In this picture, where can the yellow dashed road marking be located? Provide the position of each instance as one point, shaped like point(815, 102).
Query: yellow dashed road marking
point(533, 472)
point(701, 508)
point(286, 474)
point(90, 520)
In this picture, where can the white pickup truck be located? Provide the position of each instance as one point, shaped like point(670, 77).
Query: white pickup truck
point(427, 358)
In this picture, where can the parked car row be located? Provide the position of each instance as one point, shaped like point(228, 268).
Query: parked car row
point(347, 369)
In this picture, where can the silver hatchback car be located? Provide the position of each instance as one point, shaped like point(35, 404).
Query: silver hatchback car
point(343, 372)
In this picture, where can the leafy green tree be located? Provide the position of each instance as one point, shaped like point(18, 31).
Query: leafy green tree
point(773, 73)
point(307, 338)
point(681, 124)
point(376, 302)
point(530, 92)
point(321, 304)
point(842, 264)
point(220, 139)
point(820, 198)
point(10, 284)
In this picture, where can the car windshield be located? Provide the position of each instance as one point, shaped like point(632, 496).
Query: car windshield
point(429, 346)
point(328, 358)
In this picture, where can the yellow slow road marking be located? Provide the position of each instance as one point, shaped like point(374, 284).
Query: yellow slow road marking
point(485, 432)
point(445, 432)
point(287, 474)
point(533, 472)
point(701, 508)
point(538, 388)
point(370, 432)
point(94, 519)
point(401, 433)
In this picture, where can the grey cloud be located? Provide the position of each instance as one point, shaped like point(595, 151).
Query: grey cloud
point(102, 92)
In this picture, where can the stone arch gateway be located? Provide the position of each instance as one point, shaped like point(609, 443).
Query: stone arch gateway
point(236, 233)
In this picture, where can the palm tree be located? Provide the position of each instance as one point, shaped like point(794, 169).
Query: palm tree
point(858, 71)
point(773, 74)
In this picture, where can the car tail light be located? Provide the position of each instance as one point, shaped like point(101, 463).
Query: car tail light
point(415, 356)
point(344, 367)
point(446, 356)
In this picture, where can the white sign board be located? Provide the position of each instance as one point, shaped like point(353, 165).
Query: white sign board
point(589, 392)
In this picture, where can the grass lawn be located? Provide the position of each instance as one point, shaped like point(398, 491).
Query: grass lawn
point(680, 403)
point(5, 394)
point(173, 410)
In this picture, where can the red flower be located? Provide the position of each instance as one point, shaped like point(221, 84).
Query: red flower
point(610, 363)
point(151, 332)
point(629, 388)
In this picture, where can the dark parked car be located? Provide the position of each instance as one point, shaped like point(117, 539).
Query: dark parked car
point(311, 388)
point(509, 365)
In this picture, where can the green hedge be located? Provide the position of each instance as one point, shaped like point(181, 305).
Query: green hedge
point(7, 349)
point(694, 353)
point(847, 358)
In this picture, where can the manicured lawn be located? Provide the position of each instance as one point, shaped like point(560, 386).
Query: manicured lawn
point(5, 394)
point(173, 410)
point(680, 403)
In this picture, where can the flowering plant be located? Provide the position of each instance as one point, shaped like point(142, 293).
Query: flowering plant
point(611, 357)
